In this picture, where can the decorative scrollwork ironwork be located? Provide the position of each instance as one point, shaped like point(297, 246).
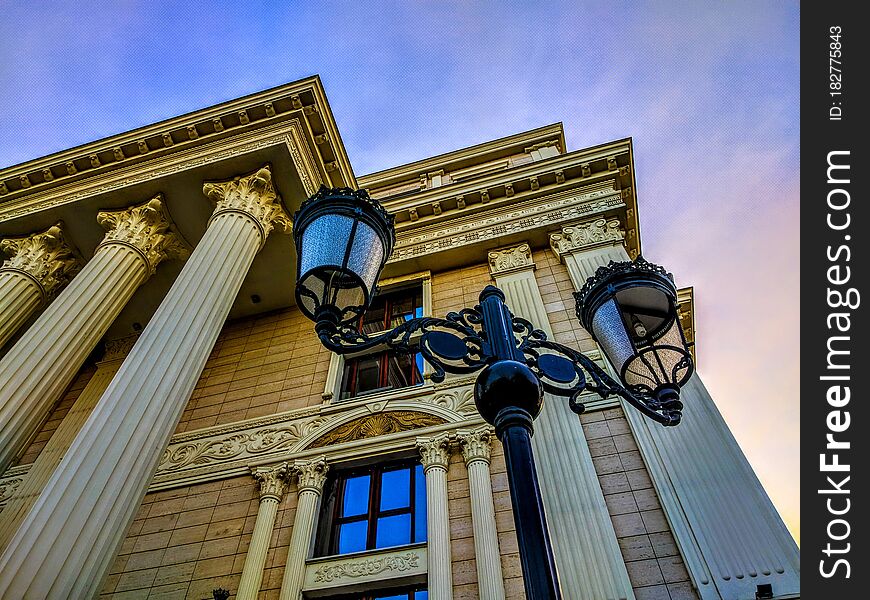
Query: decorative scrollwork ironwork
point(457, 344)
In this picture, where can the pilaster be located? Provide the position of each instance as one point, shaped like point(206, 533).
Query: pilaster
point(311, 476)
point(587, 554)
point(476, 450)
point(37, 268)
point(272, 481)
point(435, 456)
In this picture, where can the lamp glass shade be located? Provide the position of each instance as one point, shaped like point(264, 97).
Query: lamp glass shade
point(631, 310)
point(343, 240)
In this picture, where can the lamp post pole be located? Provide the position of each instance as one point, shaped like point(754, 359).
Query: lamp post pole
point(509, 397)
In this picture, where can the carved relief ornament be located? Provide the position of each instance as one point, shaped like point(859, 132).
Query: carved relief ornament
point(147, 228)
point(376, 425)
point(311, 475)
point(366, 567)
point(477, 445)
point(45, 257)
point(252, 195)
point(514, 258)
point(586, 235)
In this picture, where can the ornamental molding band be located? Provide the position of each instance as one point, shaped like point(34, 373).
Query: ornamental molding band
point(272, 481)
point(476, 445)
point(514, 258)
point(587, 235)
point(311, 475)
point(550, 210)
point(252, 195)
point(147, 228)
point(377, 425)
point(289, 134)
point(45, 257)
point(435, 451)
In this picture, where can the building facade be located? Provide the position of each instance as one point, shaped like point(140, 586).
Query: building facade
point(170, 424)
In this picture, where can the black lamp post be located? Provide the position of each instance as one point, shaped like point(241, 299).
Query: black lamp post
point(344, 238)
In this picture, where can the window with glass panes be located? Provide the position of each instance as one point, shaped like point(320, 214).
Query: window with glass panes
point(416, 593)
point(376, 507)
point(389, 369)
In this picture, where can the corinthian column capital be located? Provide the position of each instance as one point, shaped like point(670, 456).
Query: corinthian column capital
point(146, 228)
point(588, 234)
point(312, 475)
point(434, 452)
point(476, 445)
point(252, 195)
point(46, 257)
point(513, 258)
point(272, 481)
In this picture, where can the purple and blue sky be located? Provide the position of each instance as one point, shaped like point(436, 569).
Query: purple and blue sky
point(709, 92)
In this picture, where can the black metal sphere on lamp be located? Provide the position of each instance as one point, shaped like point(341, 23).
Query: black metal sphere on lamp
point(630, 308)
point(343, 240)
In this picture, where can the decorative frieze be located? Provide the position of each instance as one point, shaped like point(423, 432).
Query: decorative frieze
point(46, 257)
point(148, 229)
point(367, 567)
point(509, 259)
point(586, 235)
point(253, 195)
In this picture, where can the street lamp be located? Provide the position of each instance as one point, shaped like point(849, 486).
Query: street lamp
point(343, 239)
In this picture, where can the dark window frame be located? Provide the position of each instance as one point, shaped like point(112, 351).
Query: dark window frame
point(331, 520)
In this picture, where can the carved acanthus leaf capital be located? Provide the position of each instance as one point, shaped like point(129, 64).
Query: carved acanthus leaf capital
point(587, 235)
point(272, 480)
point(312, 474)
point(147, 228)
point(514, 258)
point(253, 195)
point(45, 256)
point(477, 445)
point(434, 452)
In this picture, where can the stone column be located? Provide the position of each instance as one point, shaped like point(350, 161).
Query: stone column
point(67, 542)
point(476, 450)
point(272, 482)
point(311, 477)
point(47, 461)
point(39, 266)
point(41, 365)
point(435, 455)
point(729, 534)
point(587, 554)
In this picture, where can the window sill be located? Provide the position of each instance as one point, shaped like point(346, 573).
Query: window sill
point(359, 571)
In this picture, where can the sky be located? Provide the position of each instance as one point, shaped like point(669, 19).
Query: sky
point(709, 92)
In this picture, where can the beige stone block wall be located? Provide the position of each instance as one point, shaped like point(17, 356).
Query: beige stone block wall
point(655, 567)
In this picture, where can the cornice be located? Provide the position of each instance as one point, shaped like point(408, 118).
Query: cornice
point(290, 132)
point(303, 100)
point(491, 150)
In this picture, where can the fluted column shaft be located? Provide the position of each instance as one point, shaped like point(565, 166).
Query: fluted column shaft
point(435, 455)
point(585, 548)
point(68, 541)
point(311, 476)
point(476, 450)
point(272, 484)
point(41, 365)
point(39, 266)
point(45, 464)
